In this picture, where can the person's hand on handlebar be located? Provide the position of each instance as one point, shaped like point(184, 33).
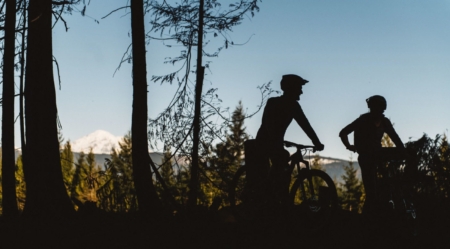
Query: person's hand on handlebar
point(318, 147)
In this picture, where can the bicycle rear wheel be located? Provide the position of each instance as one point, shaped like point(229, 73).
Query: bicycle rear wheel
point(314, 207)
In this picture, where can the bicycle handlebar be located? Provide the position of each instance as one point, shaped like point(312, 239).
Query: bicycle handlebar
point(298, 146)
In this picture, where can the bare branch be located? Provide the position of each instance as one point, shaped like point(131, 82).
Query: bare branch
point(110, 13)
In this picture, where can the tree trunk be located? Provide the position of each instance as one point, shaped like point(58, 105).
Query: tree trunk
point(8, 162)
point(22, 79)
point(194, 182)
point(46, 194)
point(146, 193)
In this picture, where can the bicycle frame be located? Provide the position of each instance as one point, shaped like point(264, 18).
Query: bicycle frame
point(296, 159)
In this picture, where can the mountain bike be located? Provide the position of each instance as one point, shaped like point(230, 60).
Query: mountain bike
point(395, 193)
point(311, 197)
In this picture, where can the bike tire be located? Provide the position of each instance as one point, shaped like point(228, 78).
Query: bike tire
point(314, 211)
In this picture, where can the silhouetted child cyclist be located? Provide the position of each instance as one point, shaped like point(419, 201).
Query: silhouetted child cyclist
point(278, 114)
point(368, 131)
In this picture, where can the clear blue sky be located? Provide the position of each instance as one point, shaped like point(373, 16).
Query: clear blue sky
point(348, 50)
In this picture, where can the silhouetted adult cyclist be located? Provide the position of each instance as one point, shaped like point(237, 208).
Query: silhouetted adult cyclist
point(278, 114)
point(368, 131)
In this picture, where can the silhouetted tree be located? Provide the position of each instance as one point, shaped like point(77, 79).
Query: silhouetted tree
point(428, 166)
point(145, 190)
point(188, 22)
point(46, 193)
point(9, 201)
point(444, 155)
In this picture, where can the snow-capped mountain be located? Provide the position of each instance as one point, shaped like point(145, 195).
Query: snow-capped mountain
point(100, 141)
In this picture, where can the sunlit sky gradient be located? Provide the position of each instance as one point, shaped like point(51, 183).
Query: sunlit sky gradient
point(348, 50)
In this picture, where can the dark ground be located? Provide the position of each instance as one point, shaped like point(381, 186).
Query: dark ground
point(347, 230)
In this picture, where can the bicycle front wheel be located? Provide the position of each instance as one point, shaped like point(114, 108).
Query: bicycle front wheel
point(314, 199)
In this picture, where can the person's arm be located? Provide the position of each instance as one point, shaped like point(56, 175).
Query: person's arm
point(303, 122)
point(389, 129)
point(344, 135)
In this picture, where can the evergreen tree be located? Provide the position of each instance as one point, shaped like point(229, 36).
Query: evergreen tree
point(228, 155)
point(20, 184)
point(117, 192)
point(67, 165)
point(90, 182)
point(191, 21)
point(444, 156)
point(76, 188)
point(352, 190)
point(170, 179)
point(167, 172)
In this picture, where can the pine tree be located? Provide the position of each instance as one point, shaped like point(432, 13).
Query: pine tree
point(352, 190)
point(76, 188)
point(20, 184)
point(166, 170)
point(444, 156)
point(67, 165)
point(117, 192)
point(90, 182)
point(235, 141)
point(229, 155)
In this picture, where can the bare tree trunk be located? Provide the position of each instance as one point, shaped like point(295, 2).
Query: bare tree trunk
point(8, 162)
point(46, 194)
point(146, 193)
point(22, 78)
point(194, 182)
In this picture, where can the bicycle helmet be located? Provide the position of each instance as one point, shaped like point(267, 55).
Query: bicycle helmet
point(290, 81)
point(376, 101)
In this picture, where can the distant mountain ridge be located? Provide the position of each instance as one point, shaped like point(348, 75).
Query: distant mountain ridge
point(102, 143)
point(333, 167)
